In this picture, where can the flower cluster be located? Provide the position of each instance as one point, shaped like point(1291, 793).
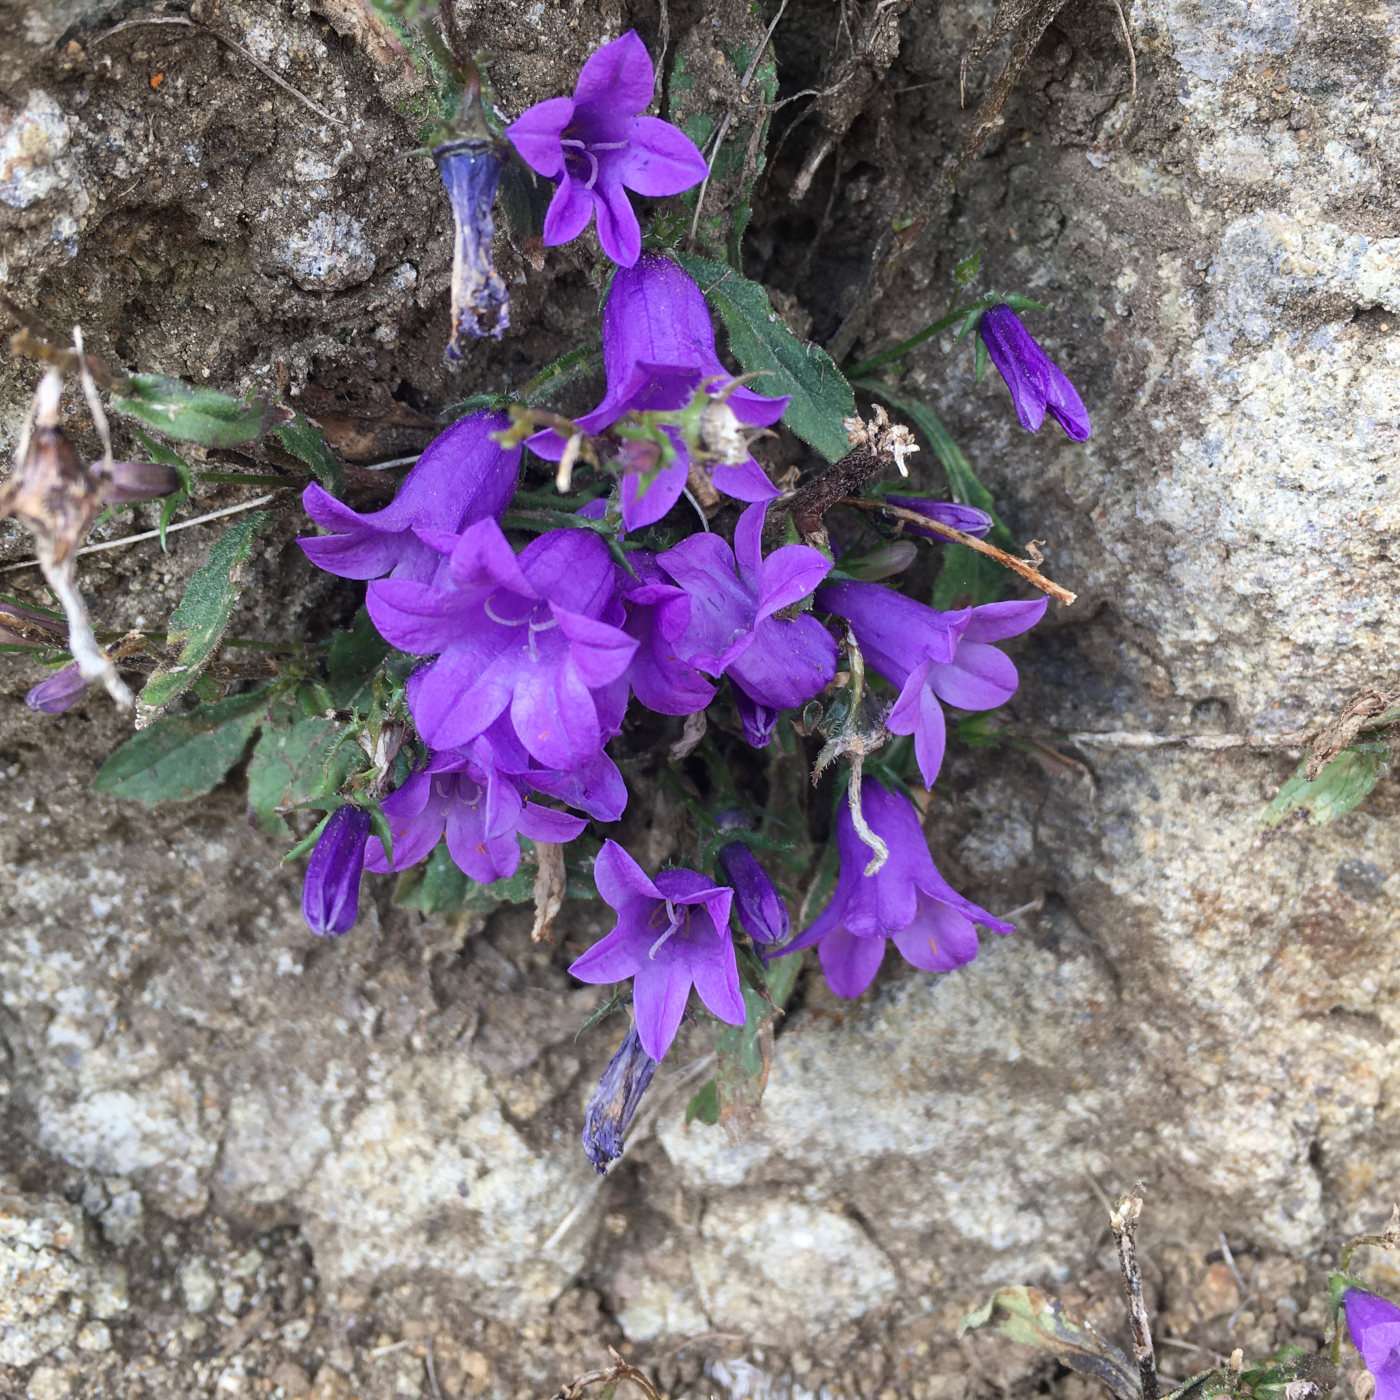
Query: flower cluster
point(523, 665)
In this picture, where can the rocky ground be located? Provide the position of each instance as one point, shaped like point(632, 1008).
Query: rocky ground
point(237, 1162)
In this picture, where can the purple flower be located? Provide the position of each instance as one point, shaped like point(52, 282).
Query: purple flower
point(534, 637)
point(615, 1100)
point(130, 483)
point(1374, 1324)
point(731, 629)
point(671, 932)
point(968, 519)
point(481, 809)
point(661, 680)
point(463, 476)
point(906, 900)
point(762, 913)
point(1037, 384)
point(597, 145)
point(932, 656)
point(658, 347)
point(61, 691)
point(470, 170)
point(330, 896)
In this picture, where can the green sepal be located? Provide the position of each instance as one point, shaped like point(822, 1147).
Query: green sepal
point(188, 413)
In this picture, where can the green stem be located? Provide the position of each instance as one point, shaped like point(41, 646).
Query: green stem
point(928, 332)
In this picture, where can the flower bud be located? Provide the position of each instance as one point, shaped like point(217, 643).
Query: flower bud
point(330, 896)
point(615, 1101)
point(762, 913)
point(888, 559)
point(968, 519)
point(60, 692)
point(130, 483)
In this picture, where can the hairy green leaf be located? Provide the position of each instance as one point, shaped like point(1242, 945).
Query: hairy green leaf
point(704, 1105)
point(191, 414)
point(1032, 1318)
point(295, 761)
point(1335, 791)
point(307, 443)
point(159, 452)
point(198, 623)
point(184, 756)
point(761, 340)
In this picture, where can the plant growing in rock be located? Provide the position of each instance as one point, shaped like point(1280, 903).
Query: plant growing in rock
point(661, 608)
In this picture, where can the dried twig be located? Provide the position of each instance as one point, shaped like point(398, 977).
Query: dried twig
point(237, 48)
point(37, 341)
point(619, 1371)
point(1124, 1218)
point(924, 522)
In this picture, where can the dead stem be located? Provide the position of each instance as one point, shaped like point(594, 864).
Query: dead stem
point(924, 522)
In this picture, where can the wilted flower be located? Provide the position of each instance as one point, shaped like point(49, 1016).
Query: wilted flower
point(597, 146)
point(464, 475)
point(1374, 1324)
point(968, 519)
point(330, 895)
point(1038, 385)
point(130, 483)
point(671, 932)
point(932, 656)
point(615, 1101)
point(26, 627)
point(658, 347)
point(730, 628)
point(762, 913)
point(906, 900)
point(59, 692)
point(535, 637)
point(471, 169)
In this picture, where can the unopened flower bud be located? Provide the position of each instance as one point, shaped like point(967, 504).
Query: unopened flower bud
point(968, 519)
point(60, 692)
point(762, 913)
point(615, 1101)
point(330, 896)
point(888, 559)
point(733, 819)
point(130, 483)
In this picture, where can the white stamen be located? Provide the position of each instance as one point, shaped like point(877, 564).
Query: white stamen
point(676, 919)
point(504, 621)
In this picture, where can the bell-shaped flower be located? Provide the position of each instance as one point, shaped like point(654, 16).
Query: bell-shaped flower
point(330, 894)
point(534, 637)
point(932, 656)
point(598, 146)
point(731, 629)
point(464, 475)
point(1374, 1324)
point(658, 348)
point(672, 932)
point(1038, 385)
point(906, 900)
point(615, 1101)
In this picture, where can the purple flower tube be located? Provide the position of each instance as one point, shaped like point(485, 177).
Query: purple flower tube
point(60, 692)
point(330, 895)
point(762, 913)
point(1038, 385)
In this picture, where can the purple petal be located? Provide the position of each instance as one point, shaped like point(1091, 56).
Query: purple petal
point(968, 519)
point(415, 823)
point(1064, 405)
point(788, 662)
point(476, 854)
point(979, 678)
point(789, 575)
point(1019, 360)
point(660, 159)
point(1374, 1324)
point(58, 692)
point(744, 481)
point(569, 212)
point(619, 879)
point(572, 568)
point(717, 982)
point(452, 701)
point(918, 712)
point(546, 824)
point(642, 508)
point(620, 75)
point(748, 546)
point(613, 958)
point(757, 720)
point(594, 786)
point(483, 561)
point(895, 633)
point(554, 714)
point(659, 995)
point(850, 963)
point(939, 939)
point(600, 653)
point(618, 229)
point(994, 622)
point(536, 135)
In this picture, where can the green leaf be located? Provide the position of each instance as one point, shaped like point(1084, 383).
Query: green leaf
point(198, 623)
point(1335, 791)
point(307, 443)
point(1030, 1317)
point(437, 886)
point(159, 452)
point(744, 1055)
point(353, 658)
point(761, 340)
point(190, 414)
point(966, 577)
point(294, 762)
point(965, 273)
point(184, 756)
point(574, 368)
point(704, 1105)
point(781, 977)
